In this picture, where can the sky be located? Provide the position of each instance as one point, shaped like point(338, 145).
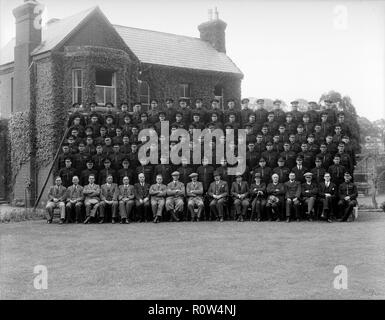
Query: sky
point(286, 49)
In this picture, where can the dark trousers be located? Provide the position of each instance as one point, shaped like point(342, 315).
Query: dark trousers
point(241, 207)
point(103, 205)
point(327, 205)
point(257, 208)
point(290, 204)
point(217, 207)
point(143, 210)
point(346, 206)
point(70, 207)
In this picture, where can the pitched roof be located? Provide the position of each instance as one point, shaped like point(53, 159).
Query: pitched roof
point(175, 50)
point(149, 46)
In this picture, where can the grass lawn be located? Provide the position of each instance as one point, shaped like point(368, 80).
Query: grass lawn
point(206, 260)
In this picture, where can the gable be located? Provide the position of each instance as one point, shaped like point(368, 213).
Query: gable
point(95, 32)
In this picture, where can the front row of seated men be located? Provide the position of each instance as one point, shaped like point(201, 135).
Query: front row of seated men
point(274, 201)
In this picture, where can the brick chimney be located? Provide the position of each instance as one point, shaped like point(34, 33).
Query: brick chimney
point(213, 31)
point(28, 37)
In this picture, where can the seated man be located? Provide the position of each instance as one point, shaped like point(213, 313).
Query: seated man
point(194, 192)
point(275, 193)
point(309, 192)
point(126, 198)
point(142, 197)
point(258, 195)
point(347, 196)
point(109, 198)
point(240, 194)
point(293, 194)
point(74, 200)
point(91, 193)
point(175, 194)
point(218, 192)
point(158, 193)
point(56, 198)
point(327, 193)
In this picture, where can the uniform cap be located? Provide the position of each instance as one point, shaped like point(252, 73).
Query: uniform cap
point(192, 175)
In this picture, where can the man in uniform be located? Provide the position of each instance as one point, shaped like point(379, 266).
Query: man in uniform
point(175, 193)
point(158, 192)
point(293, 194)
point(56, 198)
point(66, 174)
point(218, 191)
point(74, 201)
point(347, 196)
point(194, 192)
point(126, 198)
point(106, 172)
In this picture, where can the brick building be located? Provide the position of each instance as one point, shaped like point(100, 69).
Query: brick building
point(85, 58)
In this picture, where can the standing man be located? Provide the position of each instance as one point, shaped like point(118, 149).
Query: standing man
point(92, 193)
point(347, 196)
point(258, 194)
point(66, 174)
point(142, 197)
point(74, 200)
point(56, 198)
point(175, 193)
point(218, 192)
point(240, 192)
point(194, 192)
point(126, 198)
point(158, 193)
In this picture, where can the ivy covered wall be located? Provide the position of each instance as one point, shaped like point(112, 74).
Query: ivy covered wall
point(164, 83)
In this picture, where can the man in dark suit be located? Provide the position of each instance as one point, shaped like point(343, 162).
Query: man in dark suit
point(240, 193)
point(327, 194)
point(218, 192)
point(142, 197)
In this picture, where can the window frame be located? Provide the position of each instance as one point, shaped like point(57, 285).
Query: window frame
point(76, 87)
point(113, 87)
point(147, 97)
point(185, 86)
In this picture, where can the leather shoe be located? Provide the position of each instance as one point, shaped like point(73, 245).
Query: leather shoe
point(61, 221)
point(221, 220)
point(49, 221)
point(87, 220)
point(288, 220)
point(113, 221)
point(101, 221)
point(329, 220)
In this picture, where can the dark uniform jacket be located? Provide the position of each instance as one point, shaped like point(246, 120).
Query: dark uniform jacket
point(148, 172)
point(337, 173)
point(265, 173)
point(205, 175)
point(347, 189)
point(283, 173)
point(318, 174)
point(85, 174)
point(66, 175)
point(165, 170)
point(184, 173)
point(293, 189)
point(103, 175)
point(299, 173)
point(289, 157)
point(129, 172)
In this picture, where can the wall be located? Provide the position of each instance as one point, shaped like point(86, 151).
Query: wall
point(5, 92)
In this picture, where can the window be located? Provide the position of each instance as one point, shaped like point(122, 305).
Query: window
point(184, 91)
point(11, 95)
point(105, 87)
point(77, 86)
point(144, 93)
point(218, 93)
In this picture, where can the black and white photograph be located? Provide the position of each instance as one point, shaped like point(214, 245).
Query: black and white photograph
point(209, 151)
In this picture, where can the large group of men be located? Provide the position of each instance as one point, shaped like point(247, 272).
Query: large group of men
point(299, 165)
